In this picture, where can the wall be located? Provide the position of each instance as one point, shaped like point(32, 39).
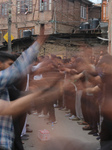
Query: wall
point(31, 20)
point(68, 15)
point(95, 12)
point(63, 19)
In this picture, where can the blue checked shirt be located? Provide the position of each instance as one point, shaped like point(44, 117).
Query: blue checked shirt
point(8, 77)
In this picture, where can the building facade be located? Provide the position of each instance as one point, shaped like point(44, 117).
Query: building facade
point(95, 11)
point(57, 16)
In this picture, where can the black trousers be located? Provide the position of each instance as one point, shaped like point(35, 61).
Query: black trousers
point(90, 110)
point(106, 130)
point(106, 134)
point(17, 145)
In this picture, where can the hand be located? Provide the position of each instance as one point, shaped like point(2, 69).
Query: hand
point(67, 70)
point(74, 70)
point(89, 90)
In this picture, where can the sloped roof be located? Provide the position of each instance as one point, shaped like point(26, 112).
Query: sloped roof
point(87, 2)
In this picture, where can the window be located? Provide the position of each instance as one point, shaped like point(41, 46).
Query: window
point(4, 9)
point(20, 31)
point(45, 5)
point(83, 12)
point(18, 7)
point(28, 5)
point(50, 4)
point(41, 5)
point(24, 6)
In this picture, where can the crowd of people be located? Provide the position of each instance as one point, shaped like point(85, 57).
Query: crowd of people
point(81, 84)
point(86, 83)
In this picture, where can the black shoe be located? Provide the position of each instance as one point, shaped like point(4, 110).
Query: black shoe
point(98, 138)
point(95, 134)
point(24, 138)
point(92, 132)
point(26, 135)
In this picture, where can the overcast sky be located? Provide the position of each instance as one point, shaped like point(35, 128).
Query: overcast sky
point(96, 1)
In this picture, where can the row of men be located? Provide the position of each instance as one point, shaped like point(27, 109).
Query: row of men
point(56, 79)
point(86, 91)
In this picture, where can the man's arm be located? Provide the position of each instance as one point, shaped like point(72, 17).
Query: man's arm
point(93, 90)
point(93, 79)
point(18, 106)
point(21, 65)
point(77, 76)
point(25, 103)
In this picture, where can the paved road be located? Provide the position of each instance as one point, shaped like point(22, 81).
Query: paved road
point(66, 135)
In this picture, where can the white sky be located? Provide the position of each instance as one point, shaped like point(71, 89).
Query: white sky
point(96, 1)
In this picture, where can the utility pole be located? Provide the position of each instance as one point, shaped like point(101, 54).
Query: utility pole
point(55, 17)
point(9, 26)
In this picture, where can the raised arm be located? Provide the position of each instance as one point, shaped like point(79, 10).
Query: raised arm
point(21, 65)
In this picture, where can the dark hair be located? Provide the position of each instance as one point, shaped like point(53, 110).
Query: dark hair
point(66, 61)
point(4, 56)
point(59, 57)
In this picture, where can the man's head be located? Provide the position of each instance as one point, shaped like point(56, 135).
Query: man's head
point(73, 59)
point(105, 64)
point(6, 60)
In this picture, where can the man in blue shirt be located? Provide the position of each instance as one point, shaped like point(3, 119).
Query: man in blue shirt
point(9, 76)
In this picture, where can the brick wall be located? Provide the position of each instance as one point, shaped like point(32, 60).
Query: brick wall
point(33, 19)
point(68, 15)
point(60, 49)
point(95, 12)
point(63, 19)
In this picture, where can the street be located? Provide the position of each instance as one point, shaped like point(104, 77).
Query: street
point(66, 134)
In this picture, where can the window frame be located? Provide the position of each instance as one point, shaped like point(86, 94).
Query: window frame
point(23, 4)
point(50, 4)
point(45, 6)
point(3, 9)
point(25, 28)
point(83, 13)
